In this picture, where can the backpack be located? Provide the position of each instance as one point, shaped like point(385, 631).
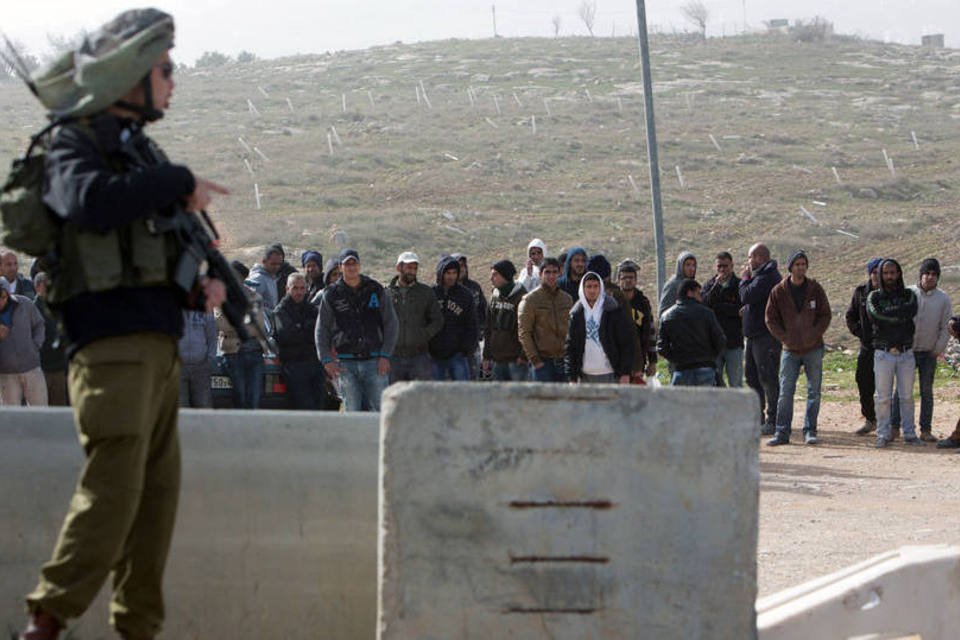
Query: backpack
point(28, 225)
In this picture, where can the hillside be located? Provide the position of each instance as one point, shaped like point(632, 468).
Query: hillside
point(441, 174)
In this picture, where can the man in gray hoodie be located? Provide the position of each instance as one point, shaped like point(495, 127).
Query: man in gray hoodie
point(22, 330)
point(686, 270)
point(930, 337)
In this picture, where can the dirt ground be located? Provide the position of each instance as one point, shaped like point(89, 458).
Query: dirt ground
point(825, 507)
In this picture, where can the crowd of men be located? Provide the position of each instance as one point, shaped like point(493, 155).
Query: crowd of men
point(343, 337)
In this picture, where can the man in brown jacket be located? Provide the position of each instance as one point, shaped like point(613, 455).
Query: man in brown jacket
point(543, 319)
point(798, 315)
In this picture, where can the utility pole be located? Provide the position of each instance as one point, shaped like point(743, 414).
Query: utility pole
point(652, 156)
point(493, 8)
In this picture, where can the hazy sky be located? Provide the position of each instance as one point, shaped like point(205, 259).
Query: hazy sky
point(272, 28)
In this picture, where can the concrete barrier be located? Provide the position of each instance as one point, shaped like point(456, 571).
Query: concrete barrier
point(911, 592)
point(276, 531)
point(567, 512)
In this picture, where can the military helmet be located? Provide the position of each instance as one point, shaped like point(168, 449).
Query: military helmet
point(106, 65)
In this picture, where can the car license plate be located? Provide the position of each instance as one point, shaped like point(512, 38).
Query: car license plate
point(221, 382)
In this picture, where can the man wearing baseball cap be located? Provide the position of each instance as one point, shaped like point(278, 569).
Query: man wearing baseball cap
point(356, 333)
point(419, 318)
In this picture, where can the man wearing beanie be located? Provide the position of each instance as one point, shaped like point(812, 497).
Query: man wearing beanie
point(312, 263)
point(858, 322)
point(502, 351)
point(530, 274)
point(798, 315)
point(930, 337)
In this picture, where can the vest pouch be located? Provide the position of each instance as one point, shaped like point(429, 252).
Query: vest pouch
point(148, 253)
point(28, 226)
point(99, 257)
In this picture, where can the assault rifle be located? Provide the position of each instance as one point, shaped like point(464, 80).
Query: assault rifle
point(198, 241)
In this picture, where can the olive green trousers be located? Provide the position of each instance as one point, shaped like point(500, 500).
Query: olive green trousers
point(124, 391)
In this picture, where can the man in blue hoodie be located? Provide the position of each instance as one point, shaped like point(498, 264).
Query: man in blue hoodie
point(574, 269)
point(762, 369)
point(457, 340)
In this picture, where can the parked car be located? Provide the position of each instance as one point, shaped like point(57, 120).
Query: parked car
point(273, 396)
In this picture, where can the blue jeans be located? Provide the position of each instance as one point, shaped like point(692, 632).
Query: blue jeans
point(926, 370)
point(551, 371)
point(305, 387)
point(700, 377)
point(245, 369)
point(790, 364)
point(731, 361)
point(887, 370)
point(455, 368)
point(507, 371)
point(406, 368)
point(360, 384)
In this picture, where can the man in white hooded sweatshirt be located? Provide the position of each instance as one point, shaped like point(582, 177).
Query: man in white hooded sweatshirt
point(529, 275)
point(600, 341)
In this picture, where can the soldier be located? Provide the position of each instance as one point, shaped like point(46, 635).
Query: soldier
point(121, 317)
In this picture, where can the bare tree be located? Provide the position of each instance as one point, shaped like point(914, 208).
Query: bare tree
point(556, 26)
point(697, 14)
point(588, 13)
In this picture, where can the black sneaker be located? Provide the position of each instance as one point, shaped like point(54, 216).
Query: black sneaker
point(777, 440)
point(867, 428)
point(881, 442)
point(914, 440)
point(947, 443)
point(926, 436)
point(810, 438)
point(767, 429)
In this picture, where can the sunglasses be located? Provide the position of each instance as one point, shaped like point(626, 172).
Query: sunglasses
point(166, 70)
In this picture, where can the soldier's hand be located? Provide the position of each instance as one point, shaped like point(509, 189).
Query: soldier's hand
point(202, 194)
point(651, 369)
point(624, 379)
point(333, 369)
point(383, 366)
point(214, 291)
point(4, 331)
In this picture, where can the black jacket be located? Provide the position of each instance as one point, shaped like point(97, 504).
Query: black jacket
point(293, 328)
point(725, 302)
point(479, 304)
point(858, 321)
point(357, 323)
point(891, 314)
point(754, 292)
point(83, 186)
point(501, 337)
point(616, 337)
point(459, 332)
point(690, 335)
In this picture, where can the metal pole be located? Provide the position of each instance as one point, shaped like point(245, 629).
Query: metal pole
point(493, 9)
point(652, 155)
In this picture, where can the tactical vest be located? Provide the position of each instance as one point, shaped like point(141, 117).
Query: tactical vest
point(129, 256)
